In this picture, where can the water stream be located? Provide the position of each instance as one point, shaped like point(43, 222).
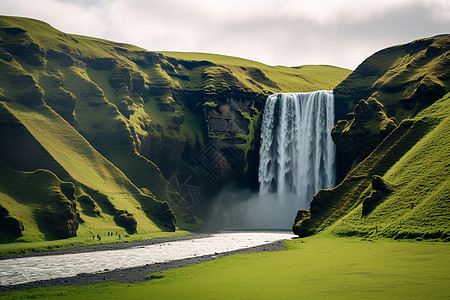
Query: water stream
point(28, 269)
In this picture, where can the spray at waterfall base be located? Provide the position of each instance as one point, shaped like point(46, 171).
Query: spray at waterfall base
point(297, 159)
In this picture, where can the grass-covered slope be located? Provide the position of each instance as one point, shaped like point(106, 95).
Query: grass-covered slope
point(118, 121)
point(418, 205)
point(398, 185)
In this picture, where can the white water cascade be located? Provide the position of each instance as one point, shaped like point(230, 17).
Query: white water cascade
point(297, 159)
point(297, 154)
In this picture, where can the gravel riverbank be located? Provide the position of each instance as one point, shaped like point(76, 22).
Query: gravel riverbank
point(130, 275)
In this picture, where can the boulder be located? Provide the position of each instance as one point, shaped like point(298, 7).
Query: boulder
point(9, 225)
point(371, 201)
point(126, 220)
point(380, 189)
point(379, 184)
point(302, 215)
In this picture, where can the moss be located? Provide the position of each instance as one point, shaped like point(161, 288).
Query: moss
point(404, 79)
point(88, 205)
point(126, 220)
point(368, 119)
point(210, 104)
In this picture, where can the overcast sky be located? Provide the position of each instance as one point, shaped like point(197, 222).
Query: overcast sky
point(275, 32)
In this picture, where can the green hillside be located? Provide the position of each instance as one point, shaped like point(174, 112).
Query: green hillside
point(398, 185)
point(419, 204)
point(113, 123)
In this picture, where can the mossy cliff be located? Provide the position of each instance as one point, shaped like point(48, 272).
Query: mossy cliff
point(394, 133)
point(396, 83)
point(116, 125)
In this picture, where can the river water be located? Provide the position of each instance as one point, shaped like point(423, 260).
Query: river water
point(29, 269)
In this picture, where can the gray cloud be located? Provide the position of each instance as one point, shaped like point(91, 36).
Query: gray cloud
point(288, 32)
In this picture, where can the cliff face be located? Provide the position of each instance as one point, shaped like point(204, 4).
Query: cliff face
point(393, 109)
point(127, 127)
point(404, 79)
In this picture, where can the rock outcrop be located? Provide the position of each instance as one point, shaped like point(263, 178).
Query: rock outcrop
point(9, 226)
point(380, 188)
point(365, 127)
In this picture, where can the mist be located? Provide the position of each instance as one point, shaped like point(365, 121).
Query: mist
point(243, 209)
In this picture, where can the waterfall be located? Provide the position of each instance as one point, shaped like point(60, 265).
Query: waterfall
point(297, 159)
point(297, 155)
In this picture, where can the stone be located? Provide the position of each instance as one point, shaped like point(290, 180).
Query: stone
point(302, 215)
point(10, 225)
point(379, 184)
point(126, 220)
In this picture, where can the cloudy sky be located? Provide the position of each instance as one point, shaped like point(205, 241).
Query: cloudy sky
point(275, 32)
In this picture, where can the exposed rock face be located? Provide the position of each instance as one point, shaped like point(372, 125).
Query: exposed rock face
point(301, 216)
point(363, 130)
point(126, 220)
point(10, 226)
point(380, 189)
point(403, 79)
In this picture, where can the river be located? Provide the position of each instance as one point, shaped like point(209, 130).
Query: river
point(28, 269)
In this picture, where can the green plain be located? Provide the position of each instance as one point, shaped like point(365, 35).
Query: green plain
point(319, 267)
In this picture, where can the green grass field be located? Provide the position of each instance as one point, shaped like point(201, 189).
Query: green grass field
point(320, 267)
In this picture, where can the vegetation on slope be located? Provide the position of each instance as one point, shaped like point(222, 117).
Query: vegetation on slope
point(404, 79)
point(411, 157)
point(419, 204)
